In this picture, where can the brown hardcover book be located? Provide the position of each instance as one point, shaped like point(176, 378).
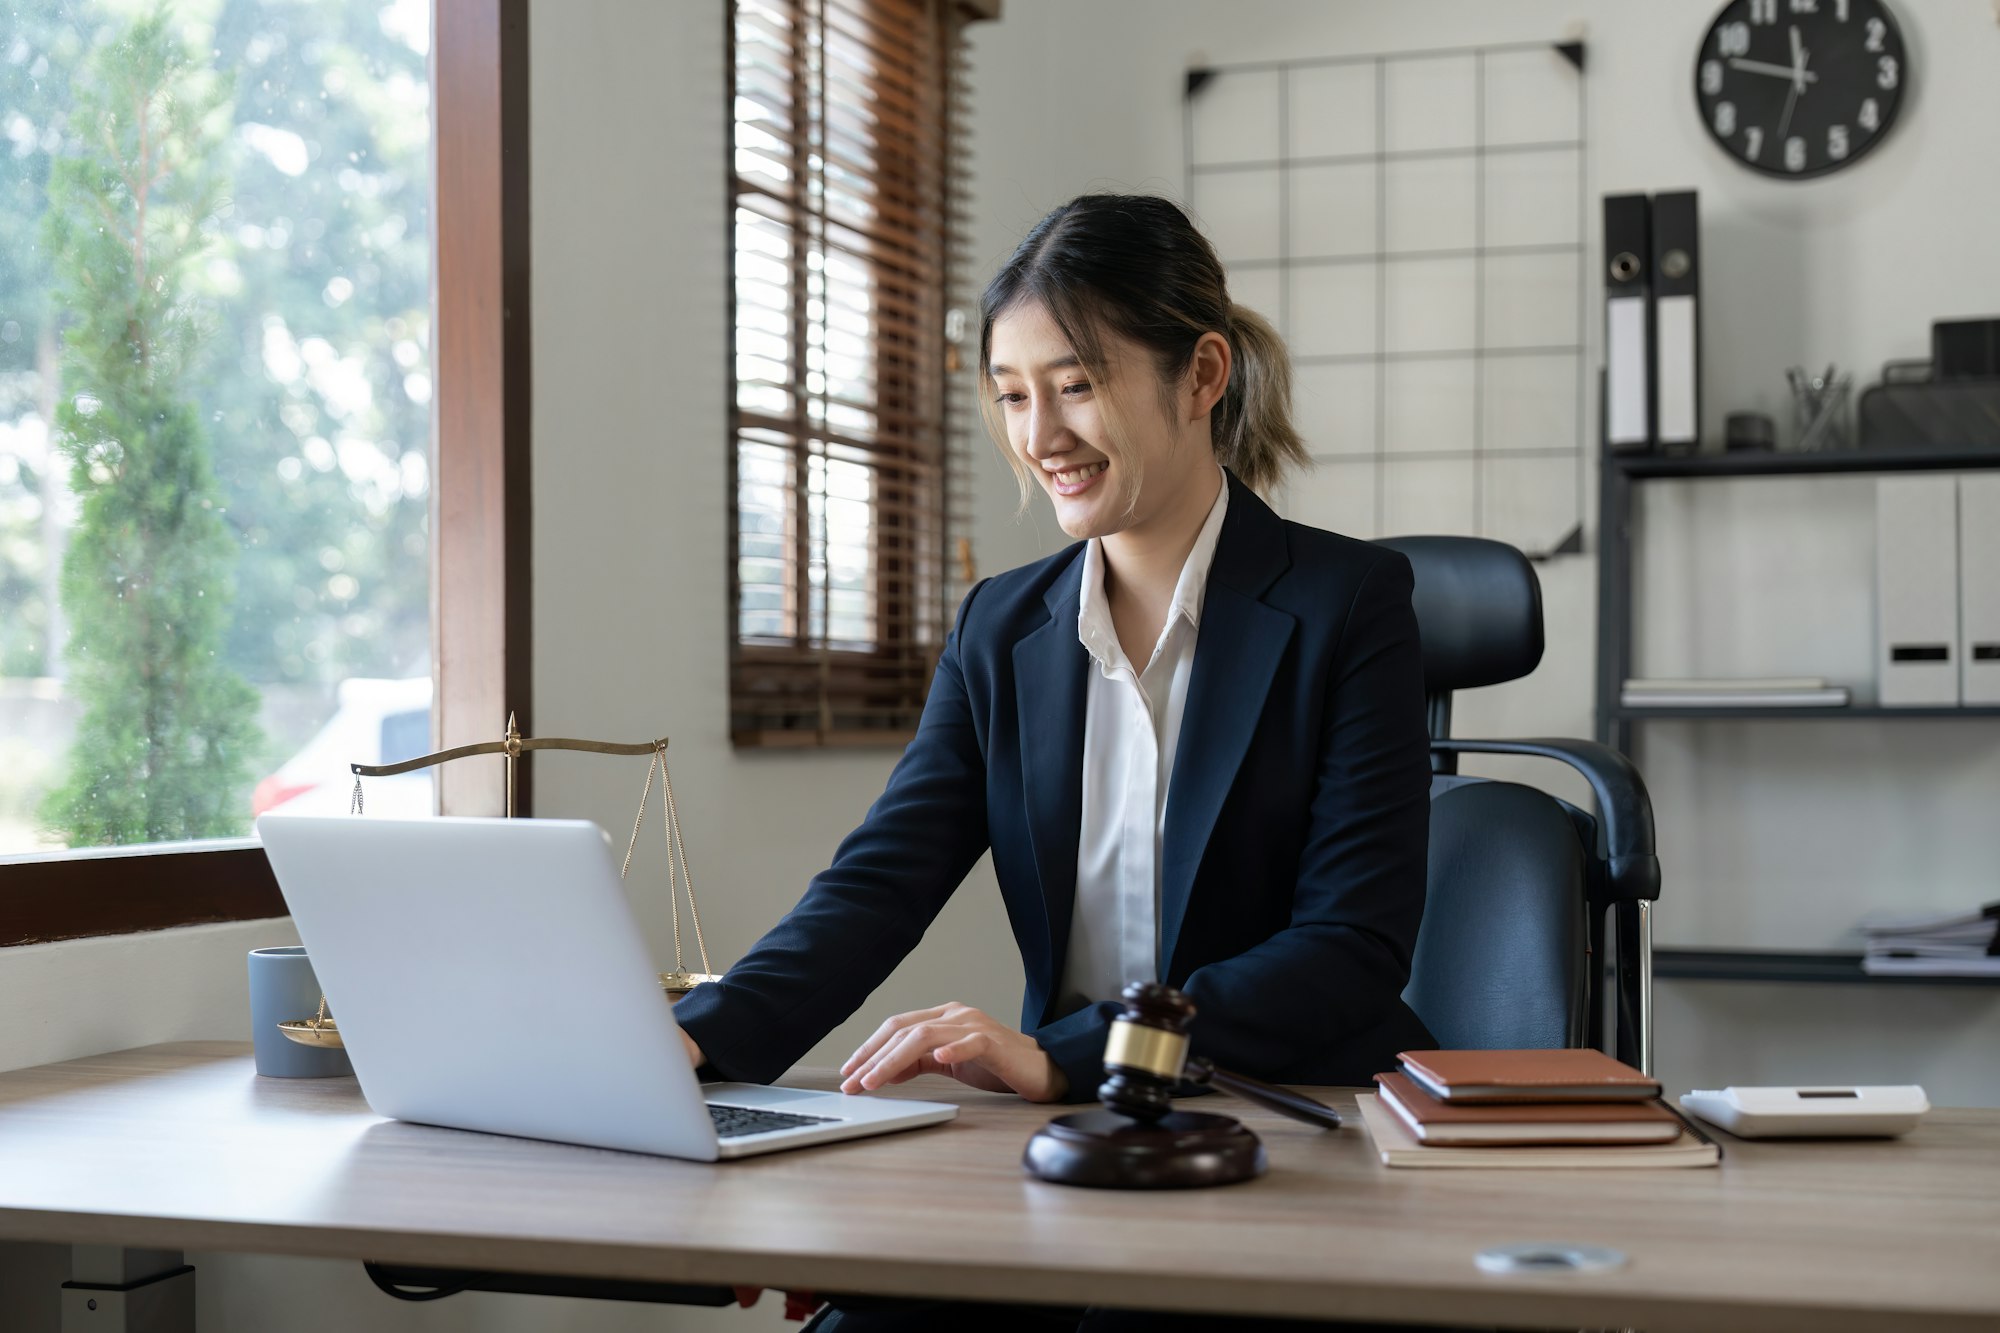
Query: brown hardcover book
point(1526, 1076)
point(1431, 1121)
point(1398, 1147)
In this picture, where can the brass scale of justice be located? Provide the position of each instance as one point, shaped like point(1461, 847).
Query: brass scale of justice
point(322, 1029)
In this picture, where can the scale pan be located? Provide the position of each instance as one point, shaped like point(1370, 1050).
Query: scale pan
point(308, 1033)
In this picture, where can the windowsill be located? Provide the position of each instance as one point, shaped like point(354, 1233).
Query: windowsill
point(131, 849)
point(123, 890)
point(812, 740)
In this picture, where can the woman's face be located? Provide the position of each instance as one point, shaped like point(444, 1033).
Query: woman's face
point(1053, 412)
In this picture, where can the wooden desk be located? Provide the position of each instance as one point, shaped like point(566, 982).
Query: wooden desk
point(182, 1147)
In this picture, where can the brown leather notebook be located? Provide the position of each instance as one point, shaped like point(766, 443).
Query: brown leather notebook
point(1526, 1076)
point(1398, 1147)
point(1431, 1121)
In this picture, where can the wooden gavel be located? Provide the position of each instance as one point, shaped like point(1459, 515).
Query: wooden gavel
point(1145, 1056)
point(1138, 1140)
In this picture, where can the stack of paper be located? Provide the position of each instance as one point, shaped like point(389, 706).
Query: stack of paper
point(1965, 944)
point(1744, 692)
point(1525, 1109)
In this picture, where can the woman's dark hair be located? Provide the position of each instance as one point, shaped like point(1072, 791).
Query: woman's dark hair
point(1135, 265)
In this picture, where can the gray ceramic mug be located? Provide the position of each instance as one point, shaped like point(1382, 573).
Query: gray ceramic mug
point(282, 989)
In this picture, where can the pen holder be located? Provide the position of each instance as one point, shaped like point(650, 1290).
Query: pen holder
point(283, 989)
point(1820, 410)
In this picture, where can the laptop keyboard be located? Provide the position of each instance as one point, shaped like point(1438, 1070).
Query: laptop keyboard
point(733, 1122)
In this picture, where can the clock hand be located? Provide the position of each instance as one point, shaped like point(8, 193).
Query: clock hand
point(1785, 121)
point(1780, 71)
point(1798, 83)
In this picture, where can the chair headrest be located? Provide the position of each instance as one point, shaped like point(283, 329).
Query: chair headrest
point(1479, 610)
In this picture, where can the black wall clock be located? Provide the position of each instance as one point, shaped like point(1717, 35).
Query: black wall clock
point(1798, 88)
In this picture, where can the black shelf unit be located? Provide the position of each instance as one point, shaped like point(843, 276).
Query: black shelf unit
point(1788, 965)
point(1770, 463)
point(1616, 723)
point(1711, 712)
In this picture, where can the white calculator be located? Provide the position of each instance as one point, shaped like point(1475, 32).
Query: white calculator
point(1797, 1113)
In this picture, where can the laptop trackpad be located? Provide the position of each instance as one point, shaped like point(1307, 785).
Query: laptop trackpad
point(754, 1094)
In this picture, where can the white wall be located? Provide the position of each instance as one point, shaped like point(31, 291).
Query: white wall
point(1777, 834)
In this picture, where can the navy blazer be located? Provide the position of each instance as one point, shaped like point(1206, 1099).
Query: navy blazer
point(1292, 867)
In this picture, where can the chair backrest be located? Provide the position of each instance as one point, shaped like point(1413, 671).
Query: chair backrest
point(1501, 960)
point(1479, 610)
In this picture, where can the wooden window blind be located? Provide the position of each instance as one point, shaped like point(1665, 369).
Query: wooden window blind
point(852, 402)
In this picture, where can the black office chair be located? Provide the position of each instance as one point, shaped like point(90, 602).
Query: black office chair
point(1515, 949)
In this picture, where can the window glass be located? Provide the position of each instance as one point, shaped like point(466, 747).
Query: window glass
point(215, 387)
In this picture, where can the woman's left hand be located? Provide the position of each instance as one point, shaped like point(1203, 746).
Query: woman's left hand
point(959, 1041)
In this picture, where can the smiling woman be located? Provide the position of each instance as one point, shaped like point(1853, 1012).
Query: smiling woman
point(1264, 674)
point(1193, 653)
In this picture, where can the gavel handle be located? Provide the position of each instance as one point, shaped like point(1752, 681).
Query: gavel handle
point(1266, 1095)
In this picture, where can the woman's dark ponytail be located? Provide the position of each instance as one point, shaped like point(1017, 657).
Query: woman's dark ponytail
point(1254, 435)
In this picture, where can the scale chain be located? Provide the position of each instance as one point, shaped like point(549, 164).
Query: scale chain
point(677, 867)
point(644, 796)
point(679, 846)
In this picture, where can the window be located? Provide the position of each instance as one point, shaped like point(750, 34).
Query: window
point(254, 515)
point(850, 414)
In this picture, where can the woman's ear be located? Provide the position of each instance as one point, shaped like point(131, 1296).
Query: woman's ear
point(1208, 375)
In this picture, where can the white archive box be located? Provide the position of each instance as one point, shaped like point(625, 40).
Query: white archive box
point(1916, 591)
point(1979, 588)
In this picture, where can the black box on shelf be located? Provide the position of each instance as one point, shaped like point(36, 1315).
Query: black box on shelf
point(1939, 414)
point(1965, 349)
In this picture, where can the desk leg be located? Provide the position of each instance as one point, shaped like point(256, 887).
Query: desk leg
point(115, 1290)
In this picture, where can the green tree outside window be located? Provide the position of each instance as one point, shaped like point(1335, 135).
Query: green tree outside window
point(162, 750)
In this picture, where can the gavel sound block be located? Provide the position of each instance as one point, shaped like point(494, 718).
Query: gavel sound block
point(1136, 1140)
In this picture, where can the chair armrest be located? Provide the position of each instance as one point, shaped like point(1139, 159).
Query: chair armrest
point(1624, 810)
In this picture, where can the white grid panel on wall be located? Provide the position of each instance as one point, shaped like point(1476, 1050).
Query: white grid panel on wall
point(1414, 225)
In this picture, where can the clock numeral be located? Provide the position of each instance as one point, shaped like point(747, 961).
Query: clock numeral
point(1763, 11)
point(1753, 142)
point(1795, 154)
point(1840, 10)
point(1877, 30)
point(1711, 77)
point(1733, 39)
point(1871, 115)
point(1836, 142)
point(1725, 118)
point(1805, 6)
point(1887, 78)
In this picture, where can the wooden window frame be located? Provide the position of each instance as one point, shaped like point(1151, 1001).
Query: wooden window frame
point(916, 569)
point(480, 519)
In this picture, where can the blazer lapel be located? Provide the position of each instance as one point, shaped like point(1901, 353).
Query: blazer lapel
point(1237, 653)
point(1049, 685)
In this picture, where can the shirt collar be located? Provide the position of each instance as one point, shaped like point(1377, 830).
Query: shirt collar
point(1093, 612)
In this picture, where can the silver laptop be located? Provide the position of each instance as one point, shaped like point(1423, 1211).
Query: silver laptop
point(487, 974)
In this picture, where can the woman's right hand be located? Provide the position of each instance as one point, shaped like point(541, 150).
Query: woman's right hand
point(960, 1042)
point(695, 1058)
